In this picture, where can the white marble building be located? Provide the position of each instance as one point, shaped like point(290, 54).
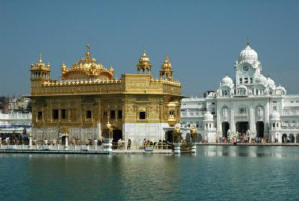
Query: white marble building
point(15, 122)
point(251, 105)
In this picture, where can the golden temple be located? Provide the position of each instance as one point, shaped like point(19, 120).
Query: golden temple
point(88, 96)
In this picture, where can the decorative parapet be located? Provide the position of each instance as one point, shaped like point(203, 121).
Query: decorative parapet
point(54, 83)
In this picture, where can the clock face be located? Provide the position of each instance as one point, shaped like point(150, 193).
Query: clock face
point(245, 68)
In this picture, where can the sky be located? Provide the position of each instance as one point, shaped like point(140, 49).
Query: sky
point(202, 38)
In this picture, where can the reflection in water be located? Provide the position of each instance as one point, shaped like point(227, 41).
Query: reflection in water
point(226, 172)
point(250, 151)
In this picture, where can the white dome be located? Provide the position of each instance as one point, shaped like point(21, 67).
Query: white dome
point(260, 79)
point(227, 81)
point(208, 116)
point(271, 83)
point(275, 116)
point(281, 90)
point(248, 54)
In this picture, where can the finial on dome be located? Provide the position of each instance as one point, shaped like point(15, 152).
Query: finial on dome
point(111, 69)
point(247, 41)
point(40, 58)
point(87, 50)
point(63, 67)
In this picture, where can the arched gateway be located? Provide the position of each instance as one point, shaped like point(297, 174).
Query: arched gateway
point(225, 128)
point(260, 129)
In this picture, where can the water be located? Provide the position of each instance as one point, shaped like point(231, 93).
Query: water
point(215, 173)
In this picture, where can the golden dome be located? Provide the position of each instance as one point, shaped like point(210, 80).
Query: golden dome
point(63, 67)
point(166, 70)
point(144, 63)
point(166, 65)
point(87, 68)
point(40, 66)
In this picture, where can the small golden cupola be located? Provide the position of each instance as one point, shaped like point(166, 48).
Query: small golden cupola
point(40, 71)
point(144, 64)
point(63, 68)
point(166, 70)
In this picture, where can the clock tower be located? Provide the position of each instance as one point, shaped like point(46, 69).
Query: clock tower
point(247, 66)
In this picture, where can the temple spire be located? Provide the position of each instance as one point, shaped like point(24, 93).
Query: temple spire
point(166, 70)
point(88, 50)
point(40, 58)
point(247, 41)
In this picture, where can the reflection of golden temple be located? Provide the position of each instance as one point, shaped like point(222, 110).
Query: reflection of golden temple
point(88, 96)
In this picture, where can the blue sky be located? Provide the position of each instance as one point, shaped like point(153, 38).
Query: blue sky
point(202, 38)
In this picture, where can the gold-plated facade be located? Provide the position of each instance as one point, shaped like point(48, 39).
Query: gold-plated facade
point(88, 96)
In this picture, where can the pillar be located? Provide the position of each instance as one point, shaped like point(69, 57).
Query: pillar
point(95, 144)
point(252, 123)
point(232, 123)
point(66, 146)
point(30, 140)
point(267, 120)
point(219, 125)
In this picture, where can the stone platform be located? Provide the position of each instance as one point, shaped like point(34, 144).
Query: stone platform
point(44, 149)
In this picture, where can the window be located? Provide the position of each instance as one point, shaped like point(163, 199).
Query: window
point(171, 112)
point(251, 80)
point(245, 80)
point(63, 114)
point(112, 114)
point(240, 80)
point(88, 114)
point(55, 114)
point(242, 110)
point(120, 114)
point(142, 115)
point(274, 108)
point(40, 115)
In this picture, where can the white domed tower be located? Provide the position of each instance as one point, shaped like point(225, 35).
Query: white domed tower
point(247, 67)
point(226, 87)
point(209, 127)
point(275, 126)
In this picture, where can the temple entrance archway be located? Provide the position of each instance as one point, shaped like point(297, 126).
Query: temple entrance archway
point(225, 127)
point(260, 129)
point(199, 137)
point(63, 139)
point(117, 135)
point(242, 127)
point(284, 138)
point(291, 138)
point(169, 136)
